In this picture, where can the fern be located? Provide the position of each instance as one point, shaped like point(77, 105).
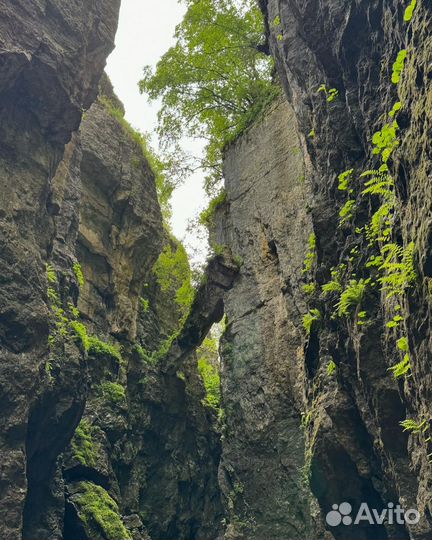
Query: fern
point(311, 255)
point(51, 274)
point(347, 210)
point(310, 319)
point(352, 296)
point(381, 184)
point(399, 268)
point(401, 368)
point(344, 180)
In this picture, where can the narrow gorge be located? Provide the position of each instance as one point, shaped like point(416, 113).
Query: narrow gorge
point(122, 416)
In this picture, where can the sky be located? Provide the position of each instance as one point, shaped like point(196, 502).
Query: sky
point(144, 34)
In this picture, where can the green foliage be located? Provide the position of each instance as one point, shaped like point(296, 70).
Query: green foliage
point(401, 368)
point(330, 94)
point(150, 359)
point(399, 65)
point(145, 304)
point(78, 273)
point(413, 426)
point(311, 256)
point(398, 267)
point(97, 347)
point(396, 108)
point(347, 210)
point(409, 12)
point(213, 81)
point(207, 216)
point(51, 274)
point(351, 297)
point(174, 275)
point(218, 249)
point(309, 288)
point(80, 332)
point(310, 320)
point(385, 141)
point(331, 287)
point(277, 20)
point(83, 446)
point(344, 179)
point(207, 357)
point(380, 226)
point(98, 510)
point(113, 392)
point(381, 183)
point(331, 368)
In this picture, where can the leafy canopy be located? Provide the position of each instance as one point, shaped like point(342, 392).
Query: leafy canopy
point(212, 82)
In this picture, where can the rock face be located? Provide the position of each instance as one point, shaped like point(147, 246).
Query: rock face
point(325, 282)
point(336, 61)
point(98, 441)
point(266, 225)
point(52, 56)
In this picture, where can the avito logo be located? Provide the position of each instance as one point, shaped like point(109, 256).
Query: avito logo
point(341, 515)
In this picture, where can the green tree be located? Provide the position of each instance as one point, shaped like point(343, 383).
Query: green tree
point(174, 274)
point(212, 82)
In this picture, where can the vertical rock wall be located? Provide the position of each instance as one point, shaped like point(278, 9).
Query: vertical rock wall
point(52, 56)
point(266, 225)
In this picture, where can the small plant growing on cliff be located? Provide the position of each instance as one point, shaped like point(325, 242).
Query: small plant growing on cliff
point(409, 12)
point(385, 142)
point(51, 274)
point(310, 288)
point(330, 94)
point(311, 255)
point(351, 297)
point(78, 274)
point(404, 366)
point(399, 65)
point(331, 368)
point(344, 179)
point(113, 392)
point(413, 426)
point(311, 319)
point(347, 211)
point(398, 267)
point(99, 511)
point(80, 332)
point(145, 304)
point(82, 444)
point(97, 347)
point(207, 216)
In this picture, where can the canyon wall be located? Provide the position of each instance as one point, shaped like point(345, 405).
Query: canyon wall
point(323, 284)
point(97, 440)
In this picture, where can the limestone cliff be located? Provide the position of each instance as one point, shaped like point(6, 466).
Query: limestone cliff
point(333, 297)
point(322, 278)
point(51, 57)
point(97, 440)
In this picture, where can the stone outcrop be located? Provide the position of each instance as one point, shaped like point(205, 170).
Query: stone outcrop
point(266, 224)
point(145, 439)
point(97, 440)
point(51, 58)
point(351, 403)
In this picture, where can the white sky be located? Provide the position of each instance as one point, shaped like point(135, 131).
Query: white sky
point(144, 34)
